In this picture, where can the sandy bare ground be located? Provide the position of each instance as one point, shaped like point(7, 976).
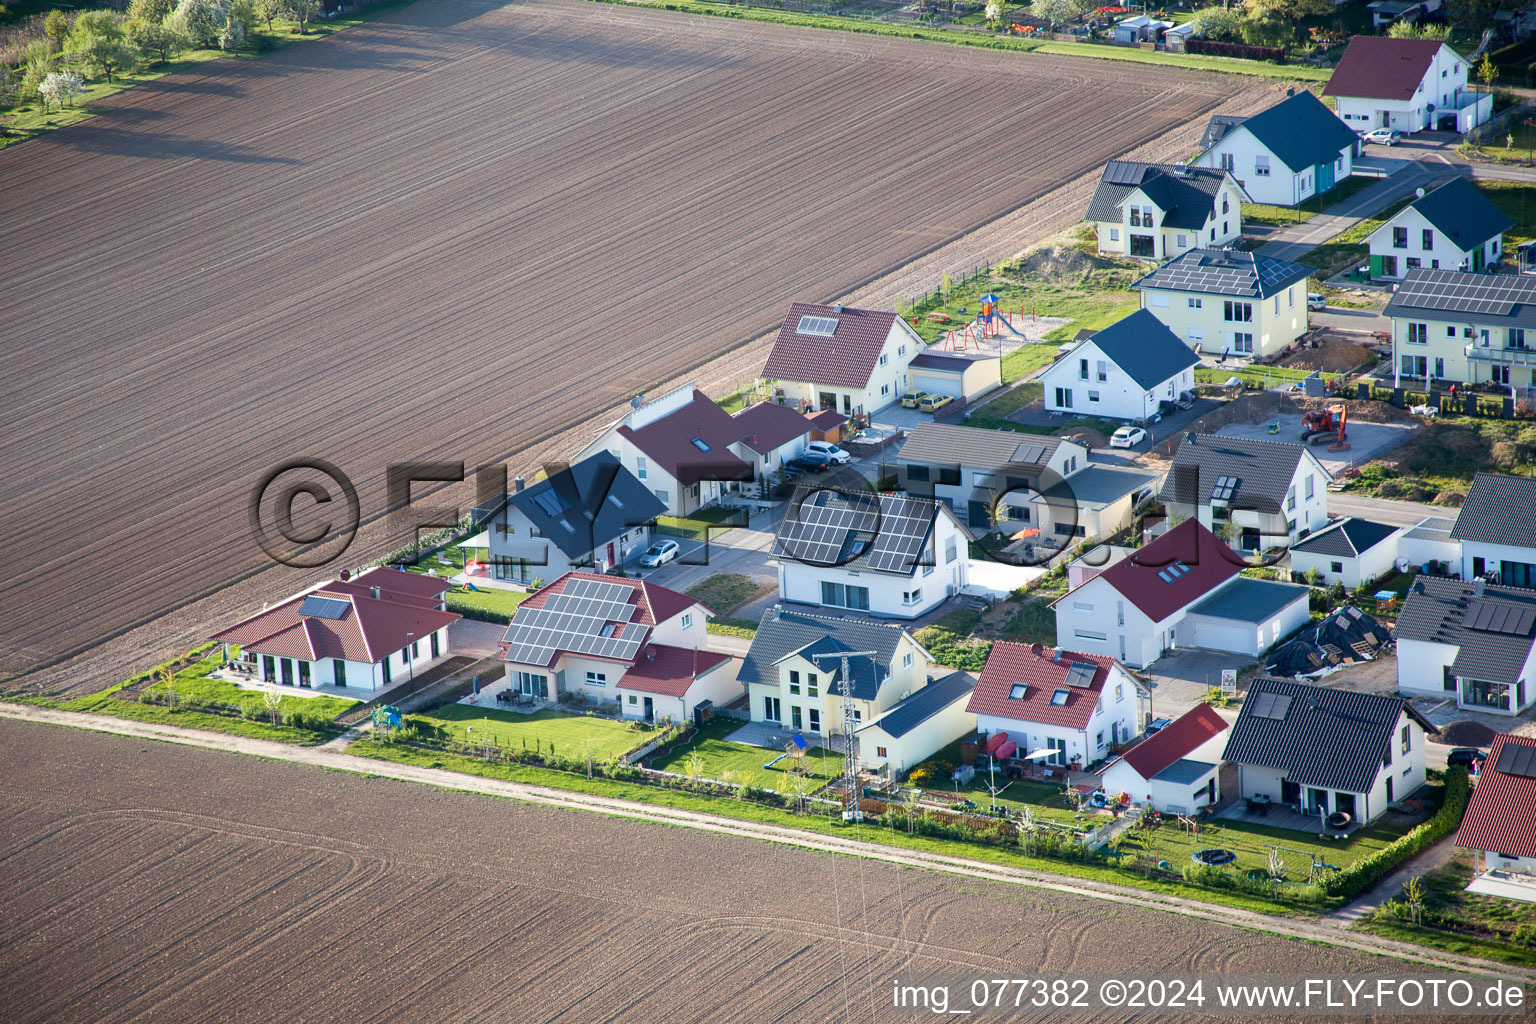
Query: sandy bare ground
point(149, 880)
point(454, 233)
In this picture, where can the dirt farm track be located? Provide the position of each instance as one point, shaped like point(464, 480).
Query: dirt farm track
point(449, 234)
point(146, 881)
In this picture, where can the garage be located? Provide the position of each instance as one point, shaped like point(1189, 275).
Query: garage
point(1247, 616)
point(966, 375)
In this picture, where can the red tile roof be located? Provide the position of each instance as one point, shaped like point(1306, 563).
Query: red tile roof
point(1501, 816)
point(1382, 68)
point(669, 442)
point(1210, 563)
point(767, 425)
point(656, 604)
point(847, 359)
point(1175, 740)
point(826, 419)
point(368, 631)
point(1011, 663)
point(669, 671)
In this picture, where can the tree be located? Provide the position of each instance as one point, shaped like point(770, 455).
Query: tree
point(56, 27)
point(202, 20)
point(1413, 896)
point(994, 12)
point(1220, 24)
point(1487, 71)
point(1409, 30)
point(164, 41)
point(272, 700)
point(266, 10)
point(1471, 15)
point(60, 88)
point(693, 767)
point(107, 55)
point(1058, 12)
point(152, 11)
point(302, 11)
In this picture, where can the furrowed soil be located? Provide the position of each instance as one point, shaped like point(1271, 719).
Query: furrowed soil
point(150, 881)
point(453, 233)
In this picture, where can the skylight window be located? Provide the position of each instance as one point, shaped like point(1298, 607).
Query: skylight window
point(699, 443)
point(1162, 574)
point(820, 326)
point(550, 502)
point(1017, 691)
point(1060, 696)
point(1226, 486)
point(614, 498)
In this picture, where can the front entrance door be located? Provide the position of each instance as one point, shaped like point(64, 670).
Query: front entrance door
point(339, 672)
point(610, 552)
point(1324, 175)
point(650, 710)
point(433, 645)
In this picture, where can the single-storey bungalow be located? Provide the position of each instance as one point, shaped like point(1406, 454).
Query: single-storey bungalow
point(1176, 769)
point(1469, 640)
point(1350, 551)
point(918, 726)
point(1500, 823)
point(1128, 371)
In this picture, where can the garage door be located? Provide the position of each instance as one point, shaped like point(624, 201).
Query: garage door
point(944, 384)
point(1225, 634)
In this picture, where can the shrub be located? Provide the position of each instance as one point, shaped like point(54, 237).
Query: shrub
point(1370, 870)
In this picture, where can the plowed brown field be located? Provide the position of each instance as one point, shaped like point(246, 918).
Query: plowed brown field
point(449, 234)
point(147, 881)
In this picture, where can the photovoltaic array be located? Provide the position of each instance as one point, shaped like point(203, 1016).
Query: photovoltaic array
point(882, 533)
point(1486, 295)
point(589, 617)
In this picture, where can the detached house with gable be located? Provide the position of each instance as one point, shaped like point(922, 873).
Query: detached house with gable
point(793, 670)
point(1408, 84)
point(1185, 589)
point(1078, 706)
point(1267, 493)
point(1295, 150)
point(1471, 641)
point(612, 640)
point(852, 361)
point(1322, 750)
point(1229, 303)
point(1500, 823)
point(877, 553)
point(1450, 326)
point(1455, 227)
point(1157, 211)
point(1496, 532)
point(1177, 769)
point(1125, 371)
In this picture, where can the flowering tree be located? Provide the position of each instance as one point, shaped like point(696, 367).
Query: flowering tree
point(60, 88)
point(203, 20)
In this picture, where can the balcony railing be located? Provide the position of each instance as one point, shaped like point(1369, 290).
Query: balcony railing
point(1501, 356)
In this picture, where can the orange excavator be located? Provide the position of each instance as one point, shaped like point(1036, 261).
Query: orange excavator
point(1321, 425)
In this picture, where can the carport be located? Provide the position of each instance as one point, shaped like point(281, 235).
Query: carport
point(1246, 617)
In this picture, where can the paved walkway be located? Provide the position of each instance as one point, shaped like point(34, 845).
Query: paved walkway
point(1101, 891)
point(1424, 863)
point(1294, 239)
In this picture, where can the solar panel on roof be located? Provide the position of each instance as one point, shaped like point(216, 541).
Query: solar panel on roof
point(1081, 674)
point(1271, 705)
point(1122, 172)
point(323, 607)
point(1517, 759)
point(1029, 453)
point(820, 326)
point(1499, 617)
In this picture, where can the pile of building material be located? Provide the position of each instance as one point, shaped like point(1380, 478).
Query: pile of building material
point(1347, 635)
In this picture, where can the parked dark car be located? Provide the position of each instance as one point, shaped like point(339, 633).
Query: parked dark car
point(1464, 756)
point(808, 463)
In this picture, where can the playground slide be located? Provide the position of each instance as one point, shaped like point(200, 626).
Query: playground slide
point(1003, 323)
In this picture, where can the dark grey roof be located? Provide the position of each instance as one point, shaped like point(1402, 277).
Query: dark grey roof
point(1095, 486)
point(1328, 738)
point(1186, 195)
point(1437, 612)
point(859, 530)
point(1300, 131)
point(588, 504)
point(826, 652)
point(1432, 528)
point(1498, 300)
point(974, 447)
point(783, 632)
point(907, 714)
point(952, 362)
point(1241, 275)
point(1346, 538)
point(1263, 470)
point(1218, 128)
point(1246, 599)
point(1144, 347)
point(1184, 772)
point(1499, 509)
point(1459, 212)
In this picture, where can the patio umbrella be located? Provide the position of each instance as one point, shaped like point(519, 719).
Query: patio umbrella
point(1026, 532)
point(476, 686)
point(1036, 755)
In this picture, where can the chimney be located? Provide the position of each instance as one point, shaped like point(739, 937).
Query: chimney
point(1478, 586)
point(837, 307)
point(517, 484)
point(1189, 438)
point(373, 592)
point(1056, 654)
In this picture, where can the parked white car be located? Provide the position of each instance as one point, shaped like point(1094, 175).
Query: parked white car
point(659, 554)
point(1127, 437)
point(831, 452)
point(1382, 136)
point(1317, 301)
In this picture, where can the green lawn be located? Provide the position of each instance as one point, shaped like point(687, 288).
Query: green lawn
point(700, 524)
point(744, 761)
point(555, 731)
point(1044, 801)
point(1256, 376)
point(1260, 213)
point(1518, 201)
point(1174, 844)
point(1196, 62)
point(723, 592)
point(491, 604)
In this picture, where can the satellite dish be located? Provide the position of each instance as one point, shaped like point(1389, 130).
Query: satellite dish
point(1419, 192)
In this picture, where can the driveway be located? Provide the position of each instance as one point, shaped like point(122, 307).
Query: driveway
point(1342, 319)
point(1366, 440)
point(1180, 679)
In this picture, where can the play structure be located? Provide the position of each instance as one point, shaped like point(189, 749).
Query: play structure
point(795, 750)
point(991, 322)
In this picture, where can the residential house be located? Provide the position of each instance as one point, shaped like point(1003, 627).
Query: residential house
point(963, 375)
point(1408, 84)
point(793, 672)
point(1229, 303)
point(1348, 551)
point(1177, 769)
point(351, 635)
point(1287, 154)
point(1455, 227)
point(1495, 530)
point(1078, 706)
point(836, 357)
point(595, 514)
point(1500, 823)
point(916, 727)
point(1322, 749)
point(1469, 641)
point(1182, 590)
point(1126, 371)
point(882, 554)
point(1157, 211)
point(974, 471)
point(1384, 13)
point(690, 452)
point(590, 638)
point(1447, 326)
point(1262, 493)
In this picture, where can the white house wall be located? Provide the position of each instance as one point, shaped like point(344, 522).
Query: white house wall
point(1281, 186)
point(1199, 319)
point(1421, 666)
point(922, 741)
point(1096, 619)
point(1443, 83)
point(886, 383)
point(1086, 381)
point(1443, 254)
